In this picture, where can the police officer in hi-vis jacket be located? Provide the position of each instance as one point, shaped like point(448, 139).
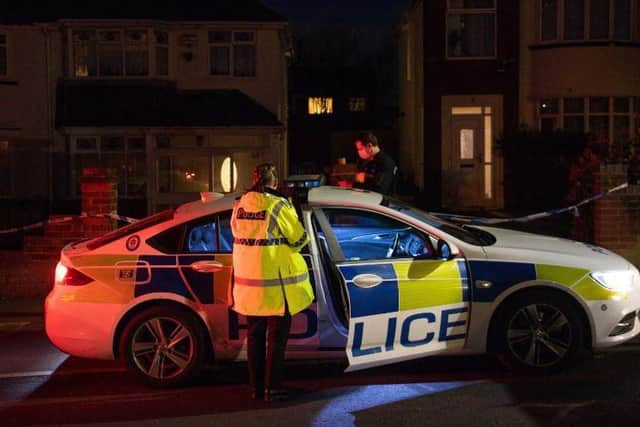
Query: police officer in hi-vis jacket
point(271, 279)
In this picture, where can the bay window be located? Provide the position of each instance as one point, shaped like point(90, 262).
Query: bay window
point(577, 20)
point(118, 52)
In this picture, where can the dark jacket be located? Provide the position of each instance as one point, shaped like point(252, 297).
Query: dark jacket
point(380, 174)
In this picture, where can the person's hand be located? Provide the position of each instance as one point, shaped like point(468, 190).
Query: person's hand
point(360, 177)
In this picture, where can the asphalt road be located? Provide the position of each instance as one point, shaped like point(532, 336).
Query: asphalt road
point(41, 386)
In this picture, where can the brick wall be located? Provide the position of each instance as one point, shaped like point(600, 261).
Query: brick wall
point(617, 216)
point(29, 272)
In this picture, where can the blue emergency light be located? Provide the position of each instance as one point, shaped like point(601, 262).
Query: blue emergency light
point(304, 181)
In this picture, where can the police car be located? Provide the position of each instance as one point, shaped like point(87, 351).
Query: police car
point(391, 283)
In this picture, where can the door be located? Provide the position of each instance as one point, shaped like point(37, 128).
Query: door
point(404, 302)
point(467, 151)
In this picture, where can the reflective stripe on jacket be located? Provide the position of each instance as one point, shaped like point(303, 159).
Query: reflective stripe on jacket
point(267, 265)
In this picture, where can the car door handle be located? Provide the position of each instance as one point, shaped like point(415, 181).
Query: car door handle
point(367, 280)
point(208, 266)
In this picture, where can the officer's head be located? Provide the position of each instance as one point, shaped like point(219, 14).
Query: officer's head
point(367, 145)
point(265, 175)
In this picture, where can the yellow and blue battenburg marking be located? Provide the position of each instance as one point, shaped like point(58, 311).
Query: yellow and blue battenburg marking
point(407, 285)
point(503, 275)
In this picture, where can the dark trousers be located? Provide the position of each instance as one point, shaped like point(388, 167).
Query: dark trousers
point(266, 343)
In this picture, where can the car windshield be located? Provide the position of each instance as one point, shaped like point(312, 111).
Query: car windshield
point(471, 235)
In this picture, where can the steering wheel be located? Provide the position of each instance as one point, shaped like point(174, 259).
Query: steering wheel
point(394, 246)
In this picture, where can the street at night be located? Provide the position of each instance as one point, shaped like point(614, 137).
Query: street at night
point(41, 386)
point(320, 213)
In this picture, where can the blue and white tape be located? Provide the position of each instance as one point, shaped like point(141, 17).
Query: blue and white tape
point(44, 223)
point(527, 218)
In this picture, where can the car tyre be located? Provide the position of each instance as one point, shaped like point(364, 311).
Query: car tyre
point(164, 346)
point(537, 332)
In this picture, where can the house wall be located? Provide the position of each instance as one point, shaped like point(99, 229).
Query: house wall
point(411, 135)
point(498, 76)
point(617, 216)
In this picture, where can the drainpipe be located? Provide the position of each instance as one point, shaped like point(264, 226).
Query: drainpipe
point(50, 152)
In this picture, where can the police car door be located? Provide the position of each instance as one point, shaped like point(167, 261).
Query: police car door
point(404, 301)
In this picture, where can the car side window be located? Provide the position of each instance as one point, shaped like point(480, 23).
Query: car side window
point(201, 236)
point(364, 235)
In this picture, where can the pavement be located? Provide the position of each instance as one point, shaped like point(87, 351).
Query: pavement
point(21, 314)
point(19, 307)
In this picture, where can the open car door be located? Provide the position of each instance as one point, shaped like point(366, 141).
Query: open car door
point(406, 300)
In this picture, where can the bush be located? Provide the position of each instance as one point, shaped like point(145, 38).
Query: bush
point(537, 165)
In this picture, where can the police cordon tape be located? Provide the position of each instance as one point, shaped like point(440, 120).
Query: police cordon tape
point(531, 217)
point(60, 220)
point(452, 217)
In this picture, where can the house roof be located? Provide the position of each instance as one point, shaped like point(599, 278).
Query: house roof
point(104, 103)
point(24, 12)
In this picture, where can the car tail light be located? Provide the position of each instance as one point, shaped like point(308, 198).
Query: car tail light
point(70, 277)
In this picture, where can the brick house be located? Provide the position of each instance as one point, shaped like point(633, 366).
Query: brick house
point(472, 70)
point(174, 98)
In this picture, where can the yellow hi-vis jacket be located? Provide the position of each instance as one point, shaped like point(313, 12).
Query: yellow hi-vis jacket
point(267, 265)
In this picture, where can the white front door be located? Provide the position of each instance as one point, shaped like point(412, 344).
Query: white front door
point(467, 184)
point(471, 167)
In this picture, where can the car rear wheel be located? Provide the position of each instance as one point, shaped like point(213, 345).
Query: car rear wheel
point(163, 346)
point(538, 332)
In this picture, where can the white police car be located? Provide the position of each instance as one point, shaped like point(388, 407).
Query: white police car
point(391, 283)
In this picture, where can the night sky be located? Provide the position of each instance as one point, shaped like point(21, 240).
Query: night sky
point(375, 17)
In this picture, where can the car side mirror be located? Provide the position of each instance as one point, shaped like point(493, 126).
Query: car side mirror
point(444, 250)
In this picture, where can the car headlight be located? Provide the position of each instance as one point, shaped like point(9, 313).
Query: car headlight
point(615, 280)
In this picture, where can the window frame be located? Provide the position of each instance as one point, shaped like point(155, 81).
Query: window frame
point(100, 152)
point(149, 47)
point(231, 56)
point(586, 23)
point(471, 11)
point(633, 103)
point(5, 44)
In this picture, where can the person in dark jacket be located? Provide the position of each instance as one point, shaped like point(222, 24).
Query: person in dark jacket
point(377, 170)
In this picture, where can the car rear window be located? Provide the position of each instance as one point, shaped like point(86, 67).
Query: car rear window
point(130, 229)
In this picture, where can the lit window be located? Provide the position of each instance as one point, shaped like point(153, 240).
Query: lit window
point(471, 30)
point(357, 104)
point(3, 55)
point(320, 105)
point(232, 53)
point(228, 175)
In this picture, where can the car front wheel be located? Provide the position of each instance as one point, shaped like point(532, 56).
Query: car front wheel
point(163, 346)
point(538, 332)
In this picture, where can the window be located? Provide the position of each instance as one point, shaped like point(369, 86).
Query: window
point(3, 54)
point(116, 53)
point(136, 53)
point(232, 53)
point(162, 53)
point(357, 104)
point(574, 20)
point(125, 156)
point(197, 173)
point(320, 105)
point(364, 235)
point(471, 28)
point(614, 120)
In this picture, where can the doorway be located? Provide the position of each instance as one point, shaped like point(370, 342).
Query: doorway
point(470, 164)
